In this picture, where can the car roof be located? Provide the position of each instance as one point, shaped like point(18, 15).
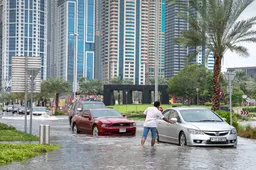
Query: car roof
point(100, 109)
point(91, 101)
point(187, 108)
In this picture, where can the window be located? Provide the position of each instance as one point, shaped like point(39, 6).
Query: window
point(166, 113)
point(174, 114)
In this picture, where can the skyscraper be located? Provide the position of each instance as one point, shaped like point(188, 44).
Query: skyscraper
point(152, 33)
point(1, 36)
point(75, 17)
point(128, 38)
point(24, 34)
point(175, 55)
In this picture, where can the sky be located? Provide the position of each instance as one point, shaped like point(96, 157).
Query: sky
point(233, 59)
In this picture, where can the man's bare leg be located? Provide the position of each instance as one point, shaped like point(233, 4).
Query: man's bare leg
point(143, 141)
point(153, 141)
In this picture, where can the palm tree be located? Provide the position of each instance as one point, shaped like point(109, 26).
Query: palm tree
point(90, 87)
point(55, 86)
point(217, 25)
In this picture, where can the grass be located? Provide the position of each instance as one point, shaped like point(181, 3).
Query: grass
point(9, 133)
point(140, 108)
point(247, 132)
point(21, 152)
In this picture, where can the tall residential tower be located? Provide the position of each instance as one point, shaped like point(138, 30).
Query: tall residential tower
point(24, 34)
point(128, 39)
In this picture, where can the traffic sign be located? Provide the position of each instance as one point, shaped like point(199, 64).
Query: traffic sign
point(229, 76)
point(244, 112)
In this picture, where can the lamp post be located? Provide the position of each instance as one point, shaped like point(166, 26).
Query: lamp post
point(75, 65)
point(197, 90)
point(126, 92)
point(157, 49)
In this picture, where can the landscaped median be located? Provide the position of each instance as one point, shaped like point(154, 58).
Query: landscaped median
point(10, 152)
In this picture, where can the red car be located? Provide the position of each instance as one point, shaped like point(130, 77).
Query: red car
point(103, 122)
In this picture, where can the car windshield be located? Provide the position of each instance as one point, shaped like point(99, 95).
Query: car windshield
point(39, 109)
point(87, 106)
point(105, 113)
point(200, 115)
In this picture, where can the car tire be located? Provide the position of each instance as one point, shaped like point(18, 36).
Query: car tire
point(95, 131)
point(182, 139)
point(75, 130)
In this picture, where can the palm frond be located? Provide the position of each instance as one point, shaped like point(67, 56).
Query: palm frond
point(241, 50)
point(190, 57)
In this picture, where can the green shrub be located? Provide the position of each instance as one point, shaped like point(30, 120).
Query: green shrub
point(250, 109)
point(6, 127)
point(226, 115)
point(176, 104)
point(247, 132)
point(208, 103)
point(59, 113)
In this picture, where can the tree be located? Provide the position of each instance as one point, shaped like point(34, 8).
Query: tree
point(119, 81)
point(55, 86)
point(188, 80)
point(161, 81)
point(216, 23)
point(90, 87)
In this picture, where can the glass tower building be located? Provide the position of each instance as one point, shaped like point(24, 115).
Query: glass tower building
point(24, 34)
point(75, 17)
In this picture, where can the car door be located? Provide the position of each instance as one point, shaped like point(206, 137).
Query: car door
point(85, 123)
point(79, 119)
point(172, 129)
point(161, 125)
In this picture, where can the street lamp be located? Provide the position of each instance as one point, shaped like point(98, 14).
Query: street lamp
point(75, 65)
point(197, 90)
point(126, 92)
point(157, 50)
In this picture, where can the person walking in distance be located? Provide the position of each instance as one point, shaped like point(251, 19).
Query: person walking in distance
point(152, 114)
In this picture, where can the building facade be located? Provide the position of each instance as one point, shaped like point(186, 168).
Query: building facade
point(210, 59)
point(175, 55)
point(128, 39)
point(24, 34)
point(75, 17)
point(1, 36)
point(250, 71)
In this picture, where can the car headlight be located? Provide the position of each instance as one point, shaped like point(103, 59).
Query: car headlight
point(233, 131)
point(195, 132)
point(133, 124)
point(105, 125)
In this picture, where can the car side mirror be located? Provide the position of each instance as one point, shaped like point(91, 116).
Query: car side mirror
point(174, 119)
point(124, 116)
point(79, 109)
point(224, 119)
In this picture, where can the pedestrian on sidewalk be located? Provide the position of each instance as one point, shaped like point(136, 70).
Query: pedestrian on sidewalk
point(152, 114)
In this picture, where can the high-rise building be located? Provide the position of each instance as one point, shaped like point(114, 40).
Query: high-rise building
point(24, 34)
point(1, 36)
point(128, 39)
point(97, 61)
point(75, 32)
point(152, 34)
point(51, 38)
point(209, 63)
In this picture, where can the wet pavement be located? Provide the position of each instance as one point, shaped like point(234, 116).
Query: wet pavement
point(83, 152)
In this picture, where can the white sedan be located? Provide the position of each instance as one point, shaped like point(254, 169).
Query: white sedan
point(195, 127)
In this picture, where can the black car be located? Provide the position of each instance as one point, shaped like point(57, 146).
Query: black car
point(84, 105)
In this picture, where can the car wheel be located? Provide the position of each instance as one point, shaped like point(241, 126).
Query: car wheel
point(75, 130)
point(182, 139)
point(95, 131)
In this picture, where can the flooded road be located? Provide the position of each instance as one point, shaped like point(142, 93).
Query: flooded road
point(82, 152)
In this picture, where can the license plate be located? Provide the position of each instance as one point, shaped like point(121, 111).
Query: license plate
point(218, 139)
point(122, 130)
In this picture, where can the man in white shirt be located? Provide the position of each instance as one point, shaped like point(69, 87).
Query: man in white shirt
point(152, 114)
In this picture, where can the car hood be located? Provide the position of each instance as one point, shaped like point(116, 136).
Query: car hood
point(113, 120)
point(211, 126)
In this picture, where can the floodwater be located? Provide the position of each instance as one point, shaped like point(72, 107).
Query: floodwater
point(83, 152)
